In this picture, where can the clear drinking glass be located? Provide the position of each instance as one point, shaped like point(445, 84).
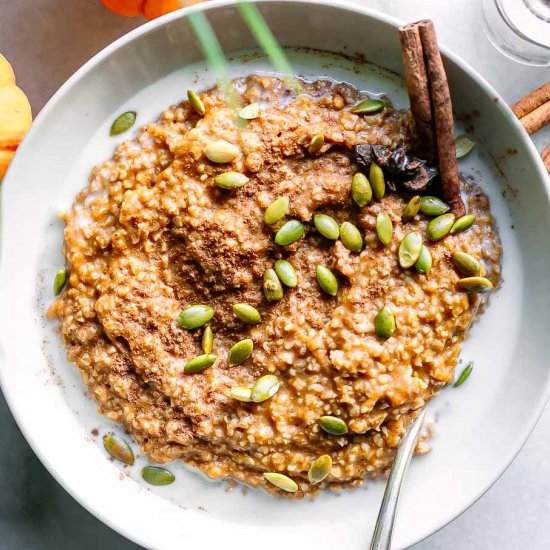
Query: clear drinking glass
point(520, 29)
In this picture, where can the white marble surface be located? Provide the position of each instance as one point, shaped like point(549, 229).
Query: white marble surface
point(47, 40)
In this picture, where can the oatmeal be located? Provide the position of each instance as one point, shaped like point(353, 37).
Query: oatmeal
point(155, 233)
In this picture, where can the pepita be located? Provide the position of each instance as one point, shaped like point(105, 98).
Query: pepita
point(368, 107)
point(195, 316)
point(333, 425)
point(207, 342)
point(479, 285)
point(465, 264)
point(361, 190)
point(409, 250)
point(377, 182)
point(463, 223)
point(289, 233)
point(230, 180)
point(199, 363)
point(351, 237)
point(59, 281)
point(221, 151)
point(250, 112)
point(118, 449)
point(240, 352)
point(157, 476)
point(384, 323)
point(433, 206)
point(463, 146)
point(247, 314)
point(241, 393)
point(464, 374)
point(327, 280)
point(272, 287)
point(122, 123)
point(439, 227)
point(281, 481)
point(265, 388)
point(286, 273)
point(276, 211)
point(327, 226)
point(424, 263)
point(411, 210)
point(319, 469)
point(317, 141)
point(384, 228)
point(196, 103)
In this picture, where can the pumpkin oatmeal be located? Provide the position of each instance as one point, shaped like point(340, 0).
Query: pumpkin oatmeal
point(301, 348)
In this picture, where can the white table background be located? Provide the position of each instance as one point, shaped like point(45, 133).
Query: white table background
point(46, 41)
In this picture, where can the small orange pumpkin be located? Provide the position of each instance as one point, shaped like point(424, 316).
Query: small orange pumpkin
point(15, 115)
point(149, 8)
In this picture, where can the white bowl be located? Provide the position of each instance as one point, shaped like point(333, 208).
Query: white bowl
point(481, 425)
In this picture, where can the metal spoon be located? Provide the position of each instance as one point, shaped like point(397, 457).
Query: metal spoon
point(383, 531)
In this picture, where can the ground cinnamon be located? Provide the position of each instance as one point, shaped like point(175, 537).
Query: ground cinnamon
point(431, 75)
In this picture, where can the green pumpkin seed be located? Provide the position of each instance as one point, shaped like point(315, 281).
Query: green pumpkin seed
point(207, 342)
point(463, 146)
point(273, 290)
point(282, 482)
point(200, 363)
point(361, 190)
point(221, 151)
point(327, 226)
point(433, 206)
point(384, 323)
point(241, 393)
point(377, 182)
point(326, 279)
point(412, 208)
point(464, 374)
point(122, 123)
point(59, 281)
point(439, 227)
point(479, 285)
point(289, 233)
point(265, 388)
point(319, 469)
point(286, 273)
point(118, 449)
point(240, 352)
point(463, 223)
point(333, 425)
point(157, 476)
point(195, 316)
point(276, 211)
point(466, 265)
point(317, 141)
point(384, 228)
point(247, 314)
point(409, 250)
point(196, 103)
point(351, 237)
point(368, 107)
point(250, 112)
point(230, 180)
point(424, 263)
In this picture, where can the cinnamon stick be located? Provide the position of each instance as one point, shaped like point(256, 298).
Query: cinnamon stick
point(531, 101)
point(536, 119)
point(546, 158)
point(416, 80)
point(443, 122)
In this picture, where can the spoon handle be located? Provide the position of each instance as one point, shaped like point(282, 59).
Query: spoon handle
point(381, 539)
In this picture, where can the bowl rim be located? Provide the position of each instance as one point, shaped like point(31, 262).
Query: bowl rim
point(147, 28)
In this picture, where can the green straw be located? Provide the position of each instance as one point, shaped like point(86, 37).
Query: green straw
point(267, 41)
